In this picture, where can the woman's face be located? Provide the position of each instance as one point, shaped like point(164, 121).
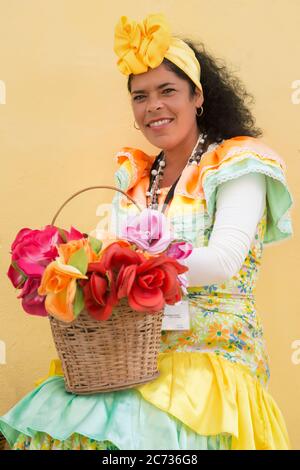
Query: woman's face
point(160, 94)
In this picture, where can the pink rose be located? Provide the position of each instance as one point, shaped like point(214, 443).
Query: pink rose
point(32, 302)
point(32, 251)
point(180, 250)
point(149, 231)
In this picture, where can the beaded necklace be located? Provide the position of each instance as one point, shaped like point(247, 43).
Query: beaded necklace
point(157, 170)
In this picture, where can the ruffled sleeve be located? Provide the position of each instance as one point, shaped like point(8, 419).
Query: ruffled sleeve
point(243, 155)
point(132, 177)
point(133, 165)
point(229, 160)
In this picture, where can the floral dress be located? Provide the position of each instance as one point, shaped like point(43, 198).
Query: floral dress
point(212, 392)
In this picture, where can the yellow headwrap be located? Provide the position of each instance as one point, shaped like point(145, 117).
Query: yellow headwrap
point(143, 45)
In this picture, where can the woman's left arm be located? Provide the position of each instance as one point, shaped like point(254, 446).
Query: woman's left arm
point(240, 204)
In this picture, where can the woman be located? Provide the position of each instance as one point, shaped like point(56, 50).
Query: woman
point(226, 192)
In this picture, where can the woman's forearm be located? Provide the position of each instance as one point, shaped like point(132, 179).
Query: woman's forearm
point(240, 204)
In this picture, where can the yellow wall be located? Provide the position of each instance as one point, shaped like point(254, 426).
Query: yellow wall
point(64, 112)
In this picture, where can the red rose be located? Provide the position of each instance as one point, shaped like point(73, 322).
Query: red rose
point(99, 291)
point(151, 284)
point(121, 272)
point(115, 256)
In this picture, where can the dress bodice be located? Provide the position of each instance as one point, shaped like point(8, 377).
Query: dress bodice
point(224, 319)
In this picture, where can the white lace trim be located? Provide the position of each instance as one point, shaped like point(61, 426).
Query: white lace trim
point(270, 154)
point(242, 173)
point(285, 215)
point(123, 154)
point(238, 151)
point(223, 179)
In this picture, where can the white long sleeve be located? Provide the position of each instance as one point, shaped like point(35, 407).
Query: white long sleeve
point(240, 204)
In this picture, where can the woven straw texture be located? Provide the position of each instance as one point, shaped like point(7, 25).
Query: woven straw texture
point(115, 354)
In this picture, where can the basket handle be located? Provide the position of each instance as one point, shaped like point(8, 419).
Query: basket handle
point(88, 189)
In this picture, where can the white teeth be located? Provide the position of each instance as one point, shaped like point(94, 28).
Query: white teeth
point(159, 123)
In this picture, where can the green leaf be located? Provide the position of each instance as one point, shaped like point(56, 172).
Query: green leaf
point(79, 260)
point(14, 264)
point(62, 234)
point(79, 301)
point(95, 244)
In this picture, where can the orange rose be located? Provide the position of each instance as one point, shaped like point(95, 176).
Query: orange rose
point(66, 250)
point(59, 285)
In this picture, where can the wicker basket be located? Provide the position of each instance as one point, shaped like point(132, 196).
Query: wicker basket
point(104, 356)
point(100, 356)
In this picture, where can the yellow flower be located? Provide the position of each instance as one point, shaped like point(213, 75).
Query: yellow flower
point(141, 45)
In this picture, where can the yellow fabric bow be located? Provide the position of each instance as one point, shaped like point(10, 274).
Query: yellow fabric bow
point(143, 45)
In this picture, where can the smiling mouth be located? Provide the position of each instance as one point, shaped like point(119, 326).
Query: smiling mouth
point(159, 123)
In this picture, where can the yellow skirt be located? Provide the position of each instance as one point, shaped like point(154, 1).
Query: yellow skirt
point(212, 396)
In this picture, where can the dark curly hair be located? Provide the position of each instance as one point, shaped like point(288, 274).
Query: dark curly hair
point(226, 113)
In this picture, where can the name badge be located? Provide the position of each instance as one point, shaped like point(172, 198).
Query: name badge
point(176, 317)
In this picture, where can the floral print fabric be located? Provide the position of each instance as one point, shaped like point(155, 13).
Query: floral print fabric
point(42, 441)
point(224, 319)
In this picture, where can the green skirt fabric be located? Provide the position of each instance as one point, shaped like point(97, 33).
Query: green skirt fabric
point(51, 418)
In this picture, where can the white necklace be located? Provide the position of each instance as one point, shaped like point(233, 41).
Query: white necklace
point(194, 159)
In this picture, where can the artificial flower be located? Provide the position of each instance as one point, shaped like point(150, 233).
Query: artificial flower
point(117, 254)
point(66, 250)
point(32, 302)
point(151, 284)
point(59, 285)
point(179, 249)
point(32, 251)
point(141, 45)
point(149, 231)
point(99, 291)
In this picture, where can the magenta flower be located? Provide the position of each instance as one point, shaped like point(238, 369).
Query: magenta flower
point(149, 231)
point(32, 251)
point(180, 249)
point(32, 302)
point(16, 277)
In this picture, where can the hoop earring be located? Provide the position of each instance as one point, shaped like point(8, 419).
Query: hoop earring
point(137, 128)
point(201, 111)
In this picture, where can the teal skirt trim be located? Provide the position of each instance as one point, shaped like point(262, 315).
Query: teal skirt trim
point(122, 420)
